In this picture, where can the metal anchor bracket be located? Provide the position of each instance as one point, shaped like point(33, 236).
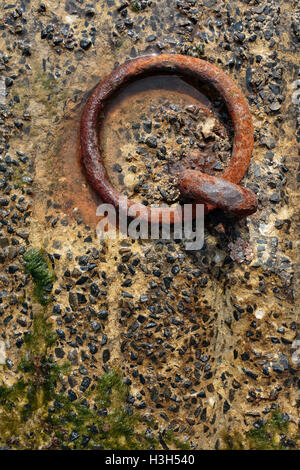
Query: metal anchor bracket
point(223, 192)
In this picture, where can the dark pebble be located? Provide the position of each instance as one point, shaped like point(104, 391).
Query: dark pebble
point(85, 44)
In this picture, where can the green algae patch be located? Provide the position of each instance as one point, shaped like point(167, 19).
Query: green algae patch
point(8, 395)
point(233, 441)
point(108, 385)
point(272, 435)
point(135, 6)
point(33, 415)
point(23, 406)
point(37, 264)
point(171, 439)
point(42, 335)
point(36, 414)
point(268, 436)
point(43, 375)
point(105, 421)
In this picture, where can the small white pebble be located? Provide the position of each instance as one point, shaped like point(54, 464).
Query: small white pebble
point(69, 19)
point(2, 353)
point(259, 314)
point(2, 90)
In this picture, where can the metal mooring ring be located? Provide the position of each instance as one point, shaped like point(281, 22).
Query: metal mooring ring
point(213, 192)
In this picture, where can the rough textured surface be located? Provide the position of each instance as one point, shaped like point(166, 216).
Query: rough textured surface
point(206, 341)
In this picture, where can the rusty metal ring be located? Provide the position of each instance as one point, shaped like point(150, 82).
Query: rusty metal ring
point(169, 64)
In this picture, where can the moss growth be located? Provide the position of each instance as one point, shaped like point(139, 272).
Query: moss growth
point(233, 441)
point(171, 438)
point(135, 6)
point(109, 424)
point(35, 415)
point(9, 394)
point(41, 336)
point(24, 405)
point(33, 407)
point(107, 386)
point(37, 264)
point(266, 437)
point(19, 178)
point(200, 49)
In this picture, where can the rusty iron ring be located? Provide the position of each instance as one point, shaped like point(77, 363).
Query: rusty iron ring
point(170, 64)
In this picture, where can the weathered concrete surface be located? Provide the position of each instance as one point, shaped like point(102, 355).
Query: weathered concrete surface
point(205, 339)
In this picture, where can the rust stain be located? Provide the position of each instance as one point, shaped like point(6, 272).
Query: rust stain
point(73, 192)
